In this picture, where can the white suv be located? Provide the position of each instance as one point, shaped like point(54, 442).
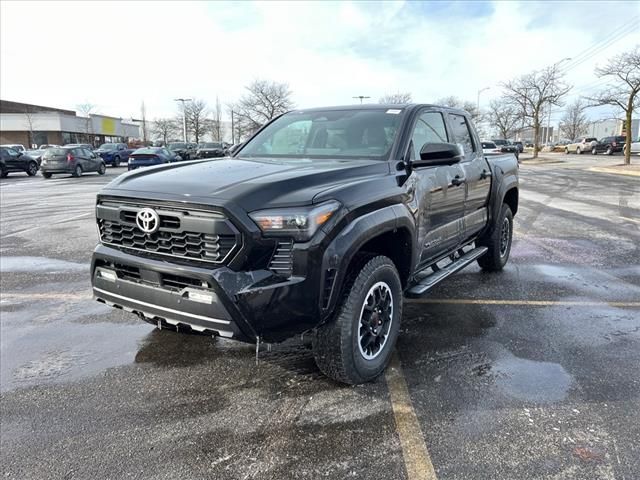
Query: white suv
point(581, 144)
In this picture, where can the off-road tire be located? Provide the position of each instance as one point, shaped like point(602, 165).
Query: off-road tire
point(77, 172)
point(336, 343)
point(497, 255)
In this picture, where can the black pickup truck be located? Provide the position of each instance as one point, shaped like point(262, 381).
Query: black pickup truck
point(319, 224)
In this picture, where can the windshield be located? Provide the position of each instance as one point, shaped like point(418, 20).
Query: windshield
point(108, 146)
point(342, 134)
point(175, 146)
point(211, 145)
point(500, 142)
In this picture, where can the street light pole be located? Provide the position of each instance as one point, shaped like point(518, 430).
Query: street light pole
point(184, 117)
point(361, 97)
point(478, 102)
point(555, 65)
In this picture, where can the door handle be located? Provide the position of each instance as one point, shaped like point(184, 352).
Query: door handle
point(485, 174)
point(458, 180)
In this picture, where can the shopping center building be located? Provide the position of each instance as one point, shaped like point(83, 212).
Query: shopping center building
point(34, 125)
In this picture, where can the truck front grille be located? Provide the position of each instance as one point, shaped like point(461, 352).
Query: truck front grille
point(197, 235)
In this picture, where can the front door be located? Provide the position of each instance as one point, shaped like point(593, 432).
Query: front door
point(438, 194)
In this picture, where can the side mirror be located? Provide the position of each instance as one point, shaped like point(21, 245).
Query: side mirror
point(432, 154)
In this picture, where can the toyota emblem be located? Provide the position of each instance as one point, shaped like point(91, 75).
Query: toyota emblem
point(148, 220)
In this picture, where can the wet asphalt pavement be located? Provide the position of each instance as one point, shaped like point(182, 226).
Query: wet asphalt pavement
point(530, 373)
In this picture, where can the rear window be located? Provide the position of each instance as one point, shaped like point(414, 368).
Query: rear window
point(146, 151)
point(55, 152)
point(591, 140)
point(620, 139)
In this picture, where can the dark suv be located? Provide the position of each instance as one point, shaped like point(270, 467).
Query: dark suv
point(13, 161)
point(609, 145)
point(73, 160)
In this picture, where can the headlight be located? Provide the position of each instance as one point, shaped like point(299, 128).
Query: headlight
point(300, 223)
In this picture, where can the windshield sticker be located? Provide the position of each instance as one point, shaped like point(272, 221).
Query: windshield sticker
point(394, 111)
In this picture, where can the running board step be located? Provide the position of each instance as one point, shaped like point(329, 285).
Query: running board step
point(439, 275)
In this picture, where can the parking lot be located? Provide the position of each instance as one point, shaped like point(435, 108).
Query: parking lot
point(530, 373)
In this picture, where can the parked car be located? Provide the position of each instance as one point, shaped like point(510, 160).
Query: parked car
point(609, 145)
point(150, 156)
point(519, 145)
point(319, 230)
point(36, 154)
point(114, 153)
point(490, 148)
point(635, 147)
point(185, 150)
point(580, 145)
point(211, 150)
point(12, 160)
point(73, 160)
point(506, 146)
point(18, 147)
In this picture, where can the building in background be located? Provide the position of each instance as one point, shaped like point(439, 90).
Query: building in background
point(30, 125)
point(612, 126)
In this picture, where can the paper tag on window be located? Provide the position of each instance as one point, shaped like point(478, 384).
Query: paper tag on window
point(394, 111)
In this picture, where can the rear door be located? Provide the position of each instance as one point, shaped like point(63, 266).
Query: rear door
point(92, 160)
point(476, 175)
point(438, 199)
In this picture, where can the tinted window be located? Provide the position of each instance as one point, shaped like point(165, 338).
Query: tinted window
point(620, 139)
point(429, 128)
point(591, 140)
point(54, 152)
point(461, 133)
point(488, 145)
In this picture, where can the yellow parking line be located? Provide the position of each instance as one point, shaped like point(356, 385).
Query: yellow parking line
point(417, 460)
point(535, 303)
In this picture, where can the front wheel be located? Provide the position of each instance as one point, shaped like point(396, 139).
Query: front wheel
point(566, 151)
point(116, 162)
point(498, 242)
point(46, 174)
point(609, 151)
point(77, 172)
point(102, 169)
point(594, 151)
point(3, 172)
point(32, 169)
point(578, 151)
point(356, 345)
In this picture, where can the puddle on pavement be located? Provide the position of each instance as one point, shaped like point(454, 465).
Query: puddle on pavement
point(528, 380)
point(39, 264)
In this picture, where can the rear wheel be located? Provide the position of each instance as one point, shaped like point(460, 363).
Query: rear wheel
point(116, 162)
point(609, 151)
point(46, 174)
point(498, 242)
point(77, 172)
point(594, 151)
point(102, 169)
point(578, 151)
point(356, 345)
point(566, 151)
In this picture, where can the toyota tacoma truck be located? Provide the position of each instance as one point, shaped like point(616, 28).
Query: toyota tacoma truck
point(318, 225)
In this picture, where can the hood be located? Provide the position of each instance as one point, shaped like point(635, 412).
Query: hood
point(251, 184)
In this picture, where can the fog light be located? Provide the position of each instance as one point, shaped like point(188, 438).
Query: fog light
point(107, 275)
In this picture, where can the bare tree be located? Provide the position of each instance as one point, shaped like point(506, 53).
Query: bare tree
point(263, 101)
point(624, 71)
point(217, 130)
point(574, 122)
point(86, 110)
point(504, 117)
point(455, 102)
point(165, 128)
point(29, 123)
point(395, 98)
point(196, 113)
point(143, 112)
point(533, 92)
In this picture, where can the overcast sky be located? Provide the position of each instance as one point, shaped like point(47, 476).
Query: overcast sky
point(117, 54)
